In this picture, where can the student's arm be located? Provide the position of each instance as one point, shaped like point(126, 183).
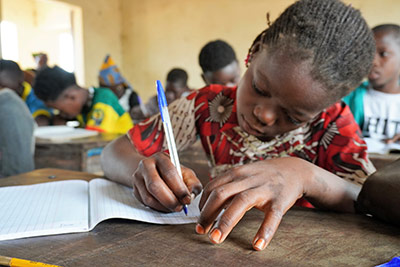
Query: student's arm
point(272, 186)
point(380, 194)
point(42, 120)
point(154, 179)
point(394, 139)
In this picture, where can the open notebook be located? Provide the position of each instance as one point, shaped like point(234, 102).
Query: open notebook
point(75, 206)
point(375, 146)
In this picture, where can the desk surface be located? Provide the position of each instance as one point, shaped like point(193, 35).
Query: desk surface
point(305, 237)
point(381, 160)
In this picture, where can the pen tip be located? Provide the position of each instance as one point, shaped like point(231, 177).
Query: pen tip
point(185, 209)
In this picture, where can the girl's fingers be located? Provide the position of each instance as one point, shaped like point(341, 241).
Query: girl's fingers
point(239, 205)
point(219, 197)
point(267, 229)
point(158, 189)
point(140, 192)
point(224, 179)
point(171, 178)
point(192, 182)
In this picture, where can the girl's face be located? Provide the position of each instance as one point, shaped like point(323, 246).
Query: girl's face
point(227, 76)
point(386, 65)
point(277, 95)
point(69, 103)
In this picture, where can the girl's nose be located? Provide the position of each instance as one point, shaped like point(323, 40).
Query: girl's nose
point(265, 114)
point(375, 62)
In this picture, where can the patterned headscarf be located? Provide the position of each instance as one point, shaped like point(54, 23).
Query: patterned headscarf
point(110, 74)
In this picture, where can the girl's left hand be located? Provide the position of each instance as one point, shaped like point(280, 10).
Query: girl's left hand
point(272, 186)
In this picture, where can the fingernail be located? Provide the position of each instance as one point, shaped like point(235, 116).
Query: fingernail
point(187, 200)
point(179, 208)
point(215, 236)
point(199, 229)
point(259, 244)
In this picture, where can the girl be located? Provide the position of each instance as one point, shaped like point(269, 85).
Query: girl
point(276, 138)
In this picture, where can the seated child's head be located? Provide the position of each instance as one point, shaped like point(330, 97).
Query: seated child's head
point(384, 75)
point(111, 77)
point(58, 89)
point(11, 76)
point(176, 84)
point(310, 57)
point(218, 61)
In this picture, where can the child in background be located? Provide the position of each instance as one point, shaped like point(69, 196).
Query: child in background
point(176, 87)
point(95, 108)
point(111, 77)
point(218, 61)
point(280, 136)
point(376, 103)
point(17, 143)
point(12, 77)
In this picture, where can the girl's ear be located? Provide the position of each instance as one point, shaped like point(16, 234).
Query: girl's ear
point(255, 48)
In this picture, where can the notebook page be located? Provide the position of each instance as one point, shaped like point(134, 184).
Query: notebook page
point(43, 209)
point(111, 200)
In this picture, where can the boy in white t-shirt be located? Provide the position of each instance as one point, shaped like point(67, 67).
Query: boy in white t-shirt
point(376, 103)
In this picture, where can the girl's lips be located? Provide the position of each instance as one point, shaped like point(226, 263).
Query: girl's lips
point(373, 75)
point(247, 127)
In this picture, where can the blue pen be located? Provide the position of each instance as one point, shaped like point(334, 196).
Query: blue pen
point(162, 104)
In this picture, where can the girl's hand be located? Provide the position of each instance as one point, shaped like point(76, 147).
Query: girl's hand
point(156, 183)
point(272, 186)
point(393, 139)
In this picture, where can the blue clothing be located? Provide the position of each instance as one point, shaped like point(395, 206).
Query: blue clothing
point(35, 105)
point(355, 100)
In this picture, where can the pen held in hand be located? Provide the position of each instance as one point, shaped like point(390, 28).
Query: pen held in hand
point(162, 104)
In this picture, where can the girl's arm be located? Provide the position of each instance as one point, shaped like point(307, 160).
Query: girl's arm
point(380, 194)
point(272, 186)
point(119, 160)
point(155, 181)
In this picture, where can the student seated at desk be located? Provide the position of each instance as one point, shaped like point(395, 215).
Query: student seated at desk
point(218, 62)
point(17, 143)
point(279, 137)
point(175, 88)
point(12, 77)
point(95, 108)
point(376, 103)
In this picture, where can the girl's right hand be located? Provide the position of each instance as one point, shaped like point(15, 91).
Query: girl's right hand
point(157, 184)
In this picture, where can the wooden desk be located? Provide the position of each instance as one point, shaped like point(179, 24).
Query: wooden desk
point(304, 238)
point(381, 160)
point(78, 154)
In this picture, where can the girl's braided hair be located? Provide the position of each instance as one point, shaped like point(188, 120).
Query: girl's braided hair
point(333, 36)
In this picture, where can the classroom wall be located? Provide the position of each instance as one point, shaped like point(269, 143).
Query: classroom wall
point(101, 34)
point(158, 35)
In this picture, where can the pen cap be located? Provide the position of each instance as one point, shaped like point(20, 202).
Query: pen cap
point(162, 101)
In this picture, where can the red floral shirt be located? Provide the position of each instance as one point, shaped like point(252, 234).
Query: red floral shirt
point(332, 141)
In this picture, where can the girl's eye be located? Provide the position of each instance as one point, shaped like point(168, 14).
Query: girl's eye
point(384, 54)
point(258, 91)
point(291, 119)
